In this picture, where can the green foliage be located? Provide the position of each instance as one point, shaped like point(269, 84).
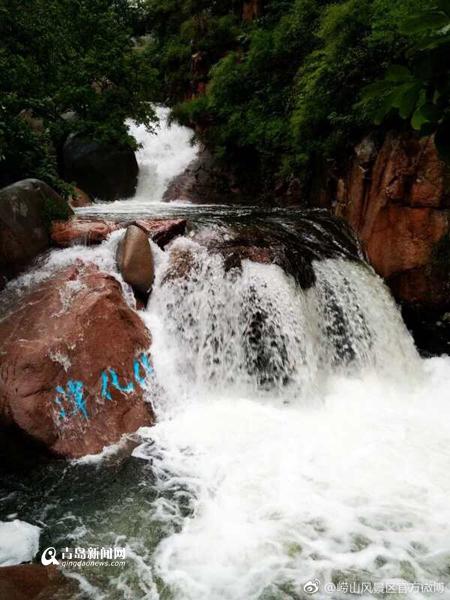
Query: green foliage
point(420, 91)
point(283, 89)
point(70, 63)
point(54, 211)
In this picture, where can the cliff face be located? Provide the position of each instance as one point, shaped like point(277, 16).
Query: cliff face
point(397, 198)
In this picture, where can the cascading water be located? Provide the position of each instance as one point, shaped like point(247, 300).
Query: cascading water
point(300, 437)
point(306, 450)
point(161, 157)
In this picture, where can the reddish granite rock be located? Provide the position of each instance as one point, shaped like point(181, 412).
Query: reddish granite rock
point(162, 231)
point(402, 238)
point(397, 200)
point(34, 582)
point(82, 231)
point(90, 231)
point(252, 10)
point(68, 376)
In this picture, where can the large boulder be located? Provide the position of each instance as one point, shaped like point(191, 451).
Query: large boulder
point(25, 210)
point(73, 364)
point(135, 259)
point(104, 171)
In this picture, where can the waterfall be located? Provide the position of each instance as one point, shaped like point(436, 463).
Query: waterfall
point(161, 157)
point(300, 438)
point(295, 439)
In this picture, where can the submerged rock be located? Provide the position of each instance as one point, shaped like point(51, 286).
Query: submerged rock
point(135, 259)
point(73, 364)
point(104, 171)
point(25, 210)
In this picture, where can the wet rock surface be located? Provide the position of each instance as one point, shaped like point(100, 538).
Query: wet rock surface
point(73, 364)
point(135, 259)
point(204, 182)
point(88, 231)
point(79, 199)
point(23, 226)
point(292, 244)
point(82, 231)
point(397, 198)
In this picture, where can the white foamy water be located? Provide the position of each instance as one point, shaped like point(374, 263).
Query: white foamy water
point(19, 542)
point(337, 468)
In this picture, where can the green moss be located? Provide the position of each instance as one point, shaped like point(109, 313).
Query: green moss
point(54, 210)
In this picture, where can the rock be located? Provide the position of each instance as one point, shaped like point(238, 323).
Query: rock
point(94, 231)
point(396, 198)
point(73, 363)
point(162, 231)
point(135, 259)
point(82, 231)
point(34, 582)
point(103, 171)
point(402, 238)
point(203, 182)
point(23, 223)
point(79, 199)
point(182, 264)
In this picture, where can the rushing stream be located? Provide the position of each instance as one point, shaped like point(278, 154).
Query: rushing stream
point(300, 437)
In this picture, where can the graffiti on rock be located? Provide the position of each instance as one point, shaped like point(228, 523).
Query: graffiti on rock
point(71, 400)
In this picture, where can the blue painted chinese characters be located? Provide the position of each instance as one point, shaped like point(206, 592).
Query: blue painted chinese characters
point(73, 396)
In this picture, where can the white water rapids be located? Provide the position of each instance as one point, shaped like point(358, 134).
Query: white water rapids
point(339, 472)
point(300, 437)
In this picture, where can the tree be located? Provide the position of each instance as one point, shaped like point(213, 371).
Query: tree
point(72, 64)
point(420, 90)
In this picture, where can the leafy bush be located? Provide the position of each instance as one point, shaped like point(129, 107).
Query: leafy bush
point(54, 211)
point(420, 91)
point(285, 88)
